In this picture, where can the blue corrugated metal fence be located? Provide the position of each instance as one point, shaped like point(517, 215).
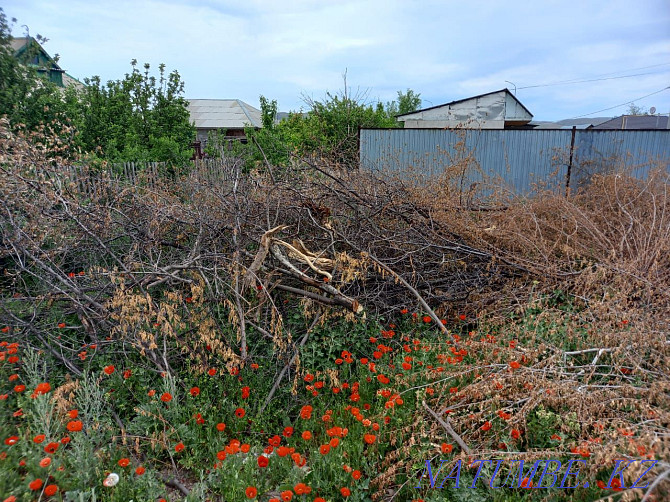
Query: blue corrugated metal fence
point(521, 161)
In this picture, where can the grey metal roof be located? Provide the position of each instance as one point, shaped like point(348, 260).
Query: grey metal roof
point(505, 90)
point(223, 114)
point(636, 122)
point(18, 43)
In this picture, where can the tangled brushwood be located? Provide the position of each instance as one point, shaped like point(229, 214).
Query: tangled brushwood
point(548, 314)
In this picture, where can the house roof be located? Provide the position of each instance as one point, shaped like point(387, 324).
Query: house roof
point(223, 114)
point(636, 122)
point(468, 99)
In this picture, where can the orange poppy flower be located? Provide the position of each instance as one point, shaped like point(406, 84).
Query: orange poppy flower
point(369, 438)
point(307, 435)
point(45, 462)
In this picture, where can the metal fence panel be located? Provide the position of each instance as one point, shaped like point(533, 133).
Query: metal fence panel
point(519, 160)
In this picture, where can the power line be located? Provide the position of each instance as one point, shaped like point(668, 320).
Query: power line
point(596, 76)
point(566, 82)
point(622, 104)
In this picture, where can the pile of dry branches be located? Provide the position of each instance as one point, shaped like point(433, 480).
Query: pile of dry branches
point(254, 244)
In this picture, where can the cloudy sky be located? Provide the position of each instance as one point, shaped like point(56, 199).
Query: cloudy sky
point(445, 50)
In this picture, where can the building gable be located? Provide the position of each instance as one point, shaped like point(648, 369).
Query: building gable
point(493, 110)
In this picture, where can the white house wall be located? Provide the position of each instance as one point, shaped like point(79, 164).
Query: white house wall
point(514, 111)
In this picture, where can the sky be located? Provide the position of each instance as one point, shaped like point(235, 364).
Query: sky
point(297, 50)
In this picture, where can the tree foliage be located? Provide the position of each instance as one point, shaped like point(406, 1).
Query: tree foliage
point(26, 99)
point(139, 118)
point(328, 130)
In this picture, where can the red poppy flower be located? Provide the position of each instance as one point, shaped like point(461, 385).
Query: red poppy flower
point(446, 448)
point(109, 369)
point(301, 489)
point(51, 490)
point(124, 462)
point(140, 470)
point(245, 392)
point(166, 397)
point(516, 434)
point(369, 438)
point(288, 432)
point(42, 388)
point(39, 438)
point(306, 412)
point(462, 317)
point(11, 440)
point(239, 412)
point(212, 372)
point(61, 325)
point(127, 374)
point(324, 449)
point(487, 425)
point(36, 484)
point(307, 435)
point(45, 462)
point(345, 491)
point(19, 388)
point(220, 427)
point(51, 448)
point(287, 495)
point(514, 365)
point(251, 492)
point(263, 461)
point(74, 425)
point(178, 447)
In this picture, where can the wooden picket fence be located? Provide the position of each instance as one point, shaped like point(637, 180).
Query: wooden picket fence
point(149, 175)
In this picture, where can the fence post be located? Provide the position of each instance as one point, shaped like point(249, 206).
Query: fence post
point(572, 150)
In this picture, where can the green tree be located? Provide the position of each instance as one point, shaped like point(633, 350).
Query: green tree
point(139, 118)
point(408, 101)
point(26, 99)
point(330, 129)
